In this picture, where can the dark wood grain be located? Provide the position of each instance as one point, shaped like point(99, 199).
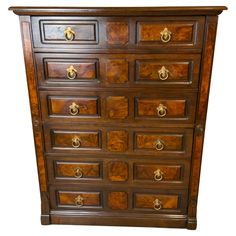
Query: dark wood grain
point(95, 101)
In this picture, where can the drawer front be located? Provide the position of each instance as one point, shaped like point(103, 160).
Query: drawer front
point(168, 70)
point(167, 108)
point(55, 106)
point(159, 202)
point(77, 170)
point(158, 173)
point(81, 139)
point(170, 32)
point(154, 142)
point(78, 199)
point(163, 142)
point(118, 32)
point(67, 32)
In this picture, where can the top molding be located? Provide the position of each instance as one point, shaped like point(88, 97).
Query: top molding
point(117, 11)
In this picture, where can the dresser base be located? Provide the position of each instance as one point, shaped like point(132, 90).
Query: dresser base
point(173, 221)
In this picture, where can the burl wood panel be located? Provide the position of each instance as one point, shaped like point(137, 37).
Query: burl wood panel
point(147, 107)
point(117, 107)
point(53, 31)
point(60, 106)
point(56, 69)
point(117, 171)
point(67, 198)
point(118, 200)
point(171, 142)
point(117, 71)
point(177, 71)
point(151, 31)
point(63, 139)
point(146, 201)
point(117, 141)
point(146, 172)
point(69, 170)
point(117, 33)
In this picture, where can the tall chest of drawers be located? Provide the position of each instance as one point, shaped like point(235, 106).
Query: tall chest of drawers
point(118, 101)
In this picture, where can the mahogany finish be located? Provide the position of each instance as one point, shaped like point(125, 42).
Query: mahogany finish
point(118, 100)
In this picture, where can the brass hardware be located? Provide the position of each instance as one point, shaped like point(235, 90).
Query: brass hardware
point(163, 73)
point(79, 201)
point(157, 204)
point(69, 34)
point(165, 35)
point(158, 175)
point(74, 109)
point(71, 72)
point(76, 142)
point(159, 145)
point(161, 110)
point(78, 173)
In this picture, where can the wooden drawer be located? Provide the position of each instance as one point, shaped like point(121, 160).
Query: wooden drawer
point(78, 199)
point(118, 70)
point(160, 201)
point(77, 170)
point(170, 32)
point(69, 106)
point(61, 31)
point(71, 139)
point(162, 142)
point(67, 68)
point(118, 32)
point(168, 107)
point(170, 70)
point(159, 173)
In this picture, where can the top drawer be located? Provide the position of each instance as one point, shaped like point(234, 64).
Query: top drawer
point(116, 32)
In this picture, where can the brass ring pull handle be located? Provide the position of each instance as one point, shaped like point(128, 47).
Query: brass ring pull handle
point(76, 142)
point(163, 73)
point(158, 175)
point(159, 145)
point(165, 35)
point(78, 173)
point(79, 201)
point(74, 109)
point(157, 204)
point(69, 34)
point(161, 110)
point(71, 72)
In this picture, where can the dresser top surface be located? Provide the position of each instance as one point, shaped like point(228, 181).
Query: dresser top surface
point(118, 11)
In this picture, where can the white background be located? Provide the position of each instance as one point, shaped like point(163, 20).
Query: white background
point(19, 197)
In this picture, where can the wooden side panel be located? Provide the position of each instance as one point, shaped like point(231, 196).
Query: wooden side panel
point(35, 115)
point(208, 52)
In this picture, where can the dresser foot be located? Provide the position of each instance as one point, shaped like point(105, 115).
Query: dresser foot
point(45, 220)
point(192, 223)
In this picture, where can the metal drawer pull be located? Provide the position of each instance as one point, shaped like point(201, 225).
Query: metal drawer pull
point(163, 73)
point(157, 204)
point(71, 72)
point(79, 201)
point(165, 35)
point(159, 145)
point(161, 110)
point(74, 109)
point(78, 173)
point(158, 175)
point(69, 34)
point(76, 142)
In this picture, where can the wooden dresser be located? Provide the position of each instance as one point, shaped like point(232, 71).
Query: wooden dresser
point(118, 100)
